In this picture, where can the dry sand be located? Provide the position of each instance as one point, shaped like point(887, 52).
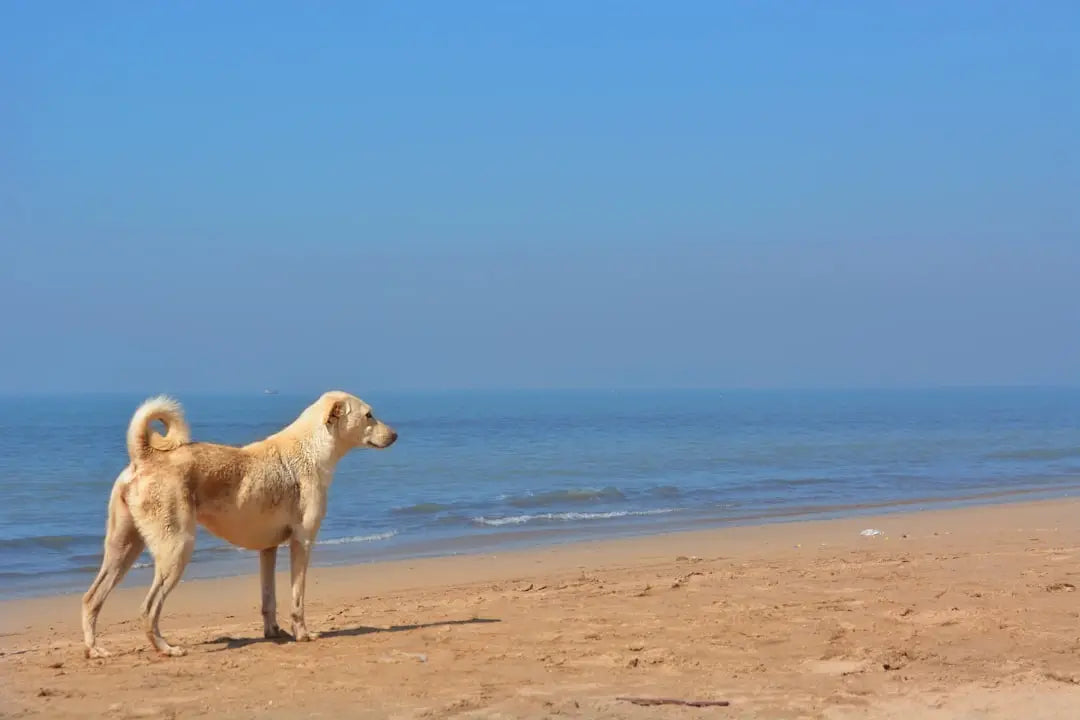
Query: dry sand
point(968, 613)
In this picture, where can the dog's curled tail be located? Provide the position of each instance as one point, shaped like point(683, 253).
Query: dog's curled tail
point(142, 439)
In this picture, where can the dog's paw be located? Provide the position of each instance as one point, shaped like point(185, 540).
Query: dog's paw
point(273, 633)
point(97, 652)
point(305, 636)
point(173, 651)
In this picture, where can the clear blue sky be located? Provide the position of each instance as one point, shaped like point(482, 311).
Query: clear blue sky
point(232, 196)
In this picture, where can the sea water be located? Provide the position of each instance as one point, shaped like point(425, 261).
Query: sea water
point(486, 471)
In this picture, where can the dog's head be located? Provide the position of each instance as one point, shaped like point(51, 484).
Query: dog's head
point(351, 422)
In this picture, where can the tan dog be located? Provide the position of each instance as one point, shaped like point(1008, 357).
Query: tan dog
point(257, 497)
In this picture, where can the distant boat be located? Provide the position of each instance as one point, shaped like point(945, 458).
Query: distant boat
point(269, 392)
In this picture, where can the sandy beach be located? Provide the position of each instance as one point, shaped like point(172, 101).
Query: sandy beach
point(964, 613)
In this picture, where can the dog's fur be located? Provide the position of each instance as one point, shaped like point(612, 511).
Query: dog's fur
point(258, 497)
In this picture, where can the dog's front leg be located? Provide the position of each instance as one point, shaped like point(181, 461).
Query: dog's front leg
point(299, 555)
point(267, 562)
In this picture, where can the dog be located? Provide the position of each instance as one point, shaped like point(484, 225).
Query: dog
point(258, 497)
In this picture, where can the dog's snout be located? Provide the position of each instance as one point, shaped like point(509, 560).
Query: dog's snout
point(382, 436)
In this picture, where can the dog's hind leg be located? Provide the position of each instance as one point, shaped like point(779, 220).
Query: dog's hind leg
point(171, 556)
point(122, 547)
point(171, 540)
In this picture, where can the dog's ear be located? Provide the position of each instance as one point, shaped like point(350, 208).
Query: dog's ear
point(335, 411)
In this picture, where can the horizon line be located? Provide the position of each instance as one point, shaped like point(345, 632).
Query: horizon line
point(243, 392)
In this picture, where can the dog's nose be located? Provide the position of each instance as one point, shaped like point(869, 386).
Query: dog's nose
point(393, 436)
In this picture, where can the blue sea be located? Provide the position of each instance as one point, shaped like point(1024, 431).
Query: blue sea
point(487, 471)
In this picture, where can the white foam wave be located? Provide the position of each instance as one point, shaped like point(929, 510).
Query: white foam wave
point(358, 539)
point(568, 516)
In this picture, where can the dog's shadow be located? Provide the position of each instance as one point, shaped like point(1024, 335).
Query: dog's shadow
point(228, 642)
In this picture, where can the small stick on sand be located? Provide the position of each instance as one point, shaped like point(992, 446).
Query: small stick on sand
point(673, 701)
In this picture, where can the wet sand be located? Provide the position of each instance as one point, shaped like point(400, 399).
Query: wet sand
point(959, 613)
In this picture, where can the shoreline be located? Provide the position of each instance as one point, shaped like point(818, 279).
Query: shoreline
point(229, 562)
point(945, 611)
point(550, 556)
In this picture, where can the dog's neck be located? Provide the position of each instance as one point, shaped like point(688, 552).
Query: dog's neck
point(321, 447)
point(324, 452)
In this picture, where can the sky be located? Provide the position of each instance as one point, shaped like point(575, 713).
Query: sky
point(227, 197)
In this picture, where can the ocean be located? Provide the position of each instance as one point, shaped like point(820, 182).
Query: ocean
point(490, 471)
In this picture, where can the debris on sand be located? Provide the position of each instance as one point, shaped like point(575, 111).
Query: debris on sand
point(674, 701)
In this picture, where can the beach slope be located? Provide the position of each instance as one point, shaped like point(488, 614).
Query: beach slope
point(969, 612)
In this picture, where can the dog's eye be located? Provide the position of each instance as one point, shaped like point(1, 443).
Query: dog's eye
point(368, 415)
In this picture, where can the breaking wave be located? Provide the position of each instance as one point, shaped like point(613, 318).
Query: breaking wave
point(358, 538)
point(566, 517)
